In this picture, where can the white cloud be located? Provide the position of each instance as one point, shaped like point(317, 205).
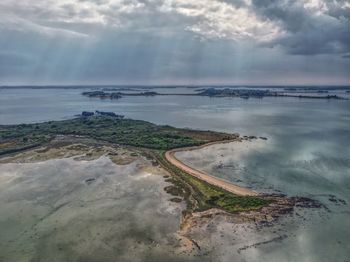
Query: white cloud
point(316, 6)
point(208, 18)
point(217, 19)
point(257, 21)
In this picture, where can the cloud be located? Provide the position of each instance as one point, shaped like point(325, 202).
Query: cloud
point(118, 40)
point(311, 26)
point(304, 27)
point(207, 18)
point(217, 19)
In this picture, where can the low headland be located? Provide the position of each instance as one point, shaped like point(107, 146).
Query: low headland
point(203, 193)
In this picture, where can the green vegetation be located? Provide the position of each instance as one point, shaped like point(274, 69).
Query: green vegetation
point(200, 195)
point(121, 131)
point(152, 139)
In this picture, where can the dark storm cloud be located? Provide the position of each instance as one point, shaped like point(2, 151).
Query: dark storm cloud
point(322, 27)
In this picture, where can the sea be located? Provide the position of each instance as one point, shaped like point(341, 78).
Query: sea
point(307, 152)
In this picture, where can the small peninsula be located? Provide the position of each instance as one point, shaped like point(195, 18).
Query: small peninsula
point(201, 192)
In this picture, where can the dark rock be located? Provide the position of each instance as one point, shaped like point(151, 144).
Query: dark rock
point(336, 200)
point(176, 200)
point(305, 202)
point(87, 114)
point(90, 180)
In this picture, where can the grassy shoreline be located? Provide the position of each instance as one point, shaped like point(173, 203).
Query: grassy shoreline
point(203, 195)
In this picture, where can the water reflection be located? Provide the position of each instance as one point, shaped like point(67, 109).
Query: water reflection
point(69, 210)
point(313, 235)
point(307, 153)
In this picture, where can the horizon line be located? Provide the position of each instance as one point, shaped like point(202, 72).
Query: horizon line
point(168, 85)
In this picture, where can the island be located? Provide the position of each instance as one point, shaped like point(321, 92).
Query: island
point(244, 93)
point(200, 191)
point(116, 95)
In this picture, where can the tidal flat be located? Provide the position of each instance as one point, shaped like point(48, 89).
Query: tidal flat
point(77, 199)
point(63, 205)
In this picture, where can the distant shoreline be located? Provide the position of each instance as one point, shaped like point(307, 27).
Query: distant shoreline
point(311, 87)
point(217, 93)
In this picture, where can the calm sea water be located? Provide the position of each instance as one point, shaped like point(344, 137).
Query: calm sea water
point(307, 152)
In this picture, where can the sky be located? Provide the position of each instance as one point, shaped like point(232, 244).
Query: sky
point(190, 42)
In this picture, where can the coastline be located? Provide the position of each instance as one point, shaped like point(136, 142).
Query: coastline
point(198, 189)
point(215, 181)
point(196, 222)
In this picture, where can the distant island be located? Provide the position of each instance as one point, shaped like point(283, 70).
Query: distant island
point(224, 92)
point(116, 95)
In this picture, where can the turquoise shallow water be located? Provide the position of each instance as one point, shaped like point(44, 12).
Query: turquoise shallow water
point(307, 153)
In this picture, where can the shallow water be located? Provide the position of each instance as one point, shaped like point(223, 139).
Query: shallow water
point(307, 153)
point(50, 213)
point(316, 235)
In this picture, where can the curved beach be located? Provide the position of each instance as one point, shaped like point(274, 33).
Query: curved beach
point(215, 181)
